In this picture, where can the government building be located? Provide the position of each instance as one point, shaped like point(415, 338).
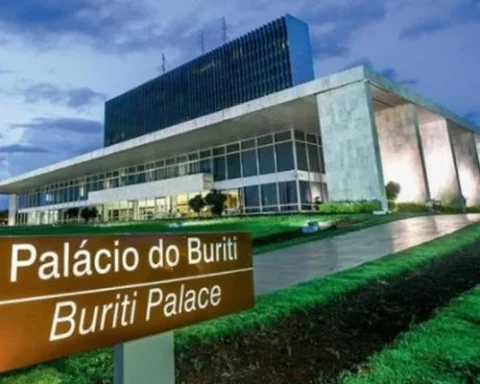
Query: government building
point(251, 120)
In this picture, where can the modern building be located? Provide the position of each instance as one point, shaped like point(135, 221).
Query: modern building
point(341, 137)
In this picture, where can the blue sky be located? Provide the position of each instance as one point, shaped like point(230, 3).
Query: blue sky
point(61, 59)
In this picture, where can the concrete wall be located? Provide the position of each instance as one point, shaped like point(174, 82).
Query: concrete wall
point(400, 151)
point(351, 151)
point(12, 209)
point(439, 161)
point(465, 151)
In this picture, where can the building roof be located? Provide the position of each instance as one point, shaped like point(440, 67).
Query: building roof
point(262, 115)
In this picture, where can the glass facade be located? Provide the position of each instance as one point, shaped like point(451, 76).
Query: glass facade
point(272, 58)
point(263, 155)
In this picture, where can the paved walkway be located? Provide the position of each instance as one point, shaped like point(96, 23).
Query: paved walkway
point(285, 267)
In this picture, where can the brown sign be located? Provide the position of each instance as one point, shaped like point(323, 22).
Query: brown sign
point(65, 295)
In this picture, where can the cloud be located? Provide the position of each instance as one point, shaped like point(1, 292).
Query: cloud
point(474, 117)
point(60, 138)
point(107, 25)
point(343, 19)
point(459, 12)
point(75, 98)
point(389, 72)
point(20, 148)
point(72, 125)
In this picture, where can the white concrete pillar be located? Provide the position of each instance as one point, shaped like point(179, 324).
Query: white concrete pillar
point(353, 169)
point(439, 161)
point(465, 152)
point(12, 209)
point(401, 152)
point(135, 210)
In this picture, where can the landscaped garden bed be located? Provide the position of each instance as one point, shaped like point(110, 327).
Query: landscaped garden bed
point(271, 311)
point(321, 342)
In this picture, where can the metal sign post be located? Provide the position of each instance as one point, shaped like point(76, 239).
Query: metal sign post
point(148, 361)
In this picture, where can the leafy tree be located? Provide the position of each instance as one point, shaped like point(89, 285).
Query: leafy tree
point(89, 213)
point(197, 203)
point(393, 190)
point(216, 200)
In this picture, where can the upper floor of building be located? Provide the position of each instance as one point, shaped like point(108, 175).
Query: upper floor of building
point(267, 60)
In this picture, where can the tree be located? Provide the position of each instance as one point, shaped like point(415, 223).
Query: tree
point(72, 213)
point(216, 200)
point(197, 203)
point(88, 213)
point(393, 190)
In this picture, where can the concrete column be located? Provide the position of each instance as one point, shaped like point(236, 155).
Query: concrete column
point(353, 169)
point(135, 210)
point(12, 209)
point(400, 151)
point(465, 152)
point(439, 161)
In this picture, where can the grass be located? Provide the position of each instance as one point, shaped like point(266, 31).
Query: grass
point(442, 350)
point(95, 366)
point(259, 226)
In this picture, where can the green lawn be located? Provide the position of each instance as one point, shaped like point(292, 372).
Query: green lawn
point(259, 226)
point(445, 349)
point(96, 366)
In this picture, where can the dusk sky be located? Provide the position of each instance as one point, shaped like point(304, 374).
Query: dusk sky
point(61, 59)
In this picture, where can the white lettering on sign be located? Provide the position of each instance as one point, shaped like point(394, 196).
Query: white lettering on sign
point(198, 251)
point(157, 281)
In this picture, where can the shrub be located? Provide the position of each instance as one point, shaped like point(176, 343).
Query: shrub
point(411, 207)
point(392, 190)
point(88, 213)
point(197, 203)
point(392, 206)
point(216, 200)
point(364, 206)
point(473, 209)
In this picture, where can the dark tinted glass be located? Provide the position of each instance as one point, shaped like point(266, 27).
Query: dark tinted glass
point(287, 192)
point(302, 163)
point(284, 153)
point(313, 158)
point(249, 163)
point(305, 193)
point(219, 168)
point(251, 196)
point(266, 160)
point(269, 194)
point(233, 166)
point(264, 140)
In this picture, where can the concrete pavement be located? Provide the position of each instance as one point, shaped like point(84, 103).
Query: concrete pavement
point(289, 266)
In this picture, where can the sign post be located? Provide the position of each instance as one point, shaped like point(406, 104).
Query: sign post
point(145, 360)
point(66, 295)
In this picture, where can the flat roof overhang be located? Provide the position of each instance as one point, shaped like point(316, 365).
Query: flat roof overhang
point(293, 107)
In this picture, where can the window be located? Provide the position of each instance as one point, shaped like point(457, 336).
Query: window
point(265, 140)
point(269, 194)
point(284, 153)
point(218, 151)
point(251, 196)
point(287, 192)
point(248, 144)
point(249, 163)
point(305, 193)
point(206, 166)
point(266, 160)
point(283, 136)
point(313, 158)
point(233, 147)
point(219, 168)
point(233, 166)
point(302, 163)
